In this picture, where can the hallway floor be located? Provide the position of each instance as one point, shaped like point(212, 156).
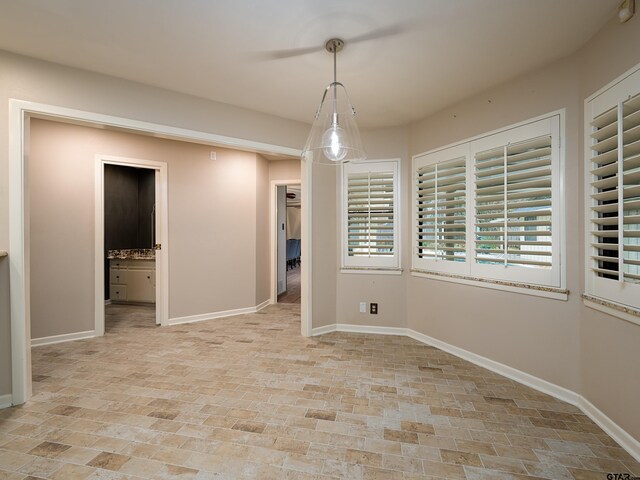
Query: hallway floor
point(247, 397)
point(293, 293)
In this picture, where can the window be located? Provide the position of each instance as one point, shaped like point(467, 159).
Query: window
point(440, 227)
point(613, 192)
point(489, 208)
point(370, 215)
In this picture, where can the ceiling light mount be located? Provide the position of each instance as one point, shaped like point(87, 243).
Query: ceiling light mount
point(334, 136)
point(334, 45)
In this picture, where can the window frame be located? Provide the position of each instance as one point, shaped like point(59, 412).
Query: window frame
point(520, 279)
point(615, 297)
point(361, 264)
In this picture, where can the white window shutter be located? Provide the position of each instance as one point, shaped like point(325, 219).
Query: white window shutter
point(442, 210)
point(513, 204)
point(370, 219)
point(613, 233)
point(491, 208)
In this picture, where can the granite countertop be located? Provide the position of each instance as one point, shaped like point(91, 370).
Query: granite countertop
point(132, 254)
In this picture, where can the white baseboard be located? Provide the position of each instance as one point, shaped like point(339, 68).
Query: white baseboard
point(621, 436)
point(615, 431)
point(222, 314)
point(6, 400)
point(264, 304)
point(352, 328)
point(347, 327)
point(322, 330)
point(500, 368)
point(67, 337)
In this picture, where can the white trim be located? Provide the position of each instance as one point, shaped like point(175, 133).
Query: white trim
point(500, 368)
point(322, 330)
point(19, 256)
point(6, 400)
point(372, 271)
point(615, 431)
point(613, 291)
point(371, 166)
point(66, 337)
point(273, 250)
point(306, 276)
point(214, 315)
point(376, 330)
point(614, 312)
point(553, 124)
point(162, 235)
point(534, 292)
point(19, 113)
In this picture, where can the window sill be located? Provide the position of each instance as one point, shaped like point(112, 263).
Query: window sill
point(514, 287)
point(611, 308)
point(372, 270)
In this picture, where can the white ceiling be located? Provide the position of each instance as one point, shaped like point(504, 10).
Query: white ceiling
point(218, 49)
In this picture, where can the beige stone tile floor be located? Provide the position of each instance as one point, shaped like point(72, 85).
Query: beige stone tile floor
point(248, 398)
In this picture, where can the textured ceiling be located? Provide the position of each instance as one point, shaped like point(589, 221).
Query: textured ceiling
point(435, 52)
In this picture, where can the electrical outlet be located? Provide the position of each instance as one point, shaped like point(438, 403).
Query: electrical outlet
point(373, 308)
point(363, 307)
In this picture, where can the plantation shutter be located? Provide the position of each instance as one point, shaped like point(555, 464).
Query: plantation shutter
point(441, 211)
point(513, 215)
point(615, 192)
point(370, 222)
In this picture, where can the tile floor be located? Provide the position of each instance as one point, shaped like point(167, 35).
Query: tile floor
point(293, 293)
point(248, 398)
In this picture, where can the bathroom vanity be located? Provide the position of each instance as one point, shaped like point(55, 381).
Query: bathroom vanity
point(132, 275)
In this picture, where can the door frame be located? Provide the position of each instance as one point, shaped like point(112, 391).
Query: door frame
point(162, 235)
point(273, 200)
point(20, 112)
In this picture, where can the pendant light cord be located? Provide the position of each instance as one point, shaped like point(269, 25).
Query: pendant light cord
point(335, 86)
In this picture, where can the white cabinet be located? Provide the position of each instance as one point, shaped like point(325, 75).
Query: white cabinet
point(132, 280)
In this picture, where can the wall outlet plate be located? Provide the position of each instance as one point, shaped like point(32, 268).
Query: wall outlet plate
point(373, 308)
point(363, 307)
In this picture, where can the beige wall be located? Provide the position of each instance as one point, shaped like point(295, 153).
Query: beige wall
point(510, 328)
point(285, 169)
point(263, 232)
point(610, 353)
point(217, 224)
point(565, 343)
point(32, 80)
point(388, 291)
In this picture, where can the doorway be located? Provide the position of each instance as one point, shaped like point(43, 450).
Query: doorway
point(286, 215)
point(129, 239)
point(131, 248)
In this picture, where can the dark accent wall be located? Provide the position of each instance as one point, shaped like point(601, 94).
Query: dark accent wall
point(129, 196)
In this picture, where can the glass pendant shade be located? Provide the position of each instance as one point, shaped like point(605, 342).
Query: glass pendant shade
point(334, 136)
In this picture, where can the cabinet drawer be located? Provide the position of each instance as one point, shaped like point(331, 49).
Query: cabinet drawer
point(117, 275)
point(116, 264)
point(118, 292)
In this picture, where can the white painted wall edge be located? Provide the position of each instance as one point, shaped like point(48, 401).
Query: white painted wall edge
point(615, 431)
point(222, 314)
point(6, 400)
point(65, 337)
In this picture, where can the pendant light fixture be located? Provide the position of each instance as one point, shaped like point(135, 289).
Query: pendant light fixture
point(334, 136)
